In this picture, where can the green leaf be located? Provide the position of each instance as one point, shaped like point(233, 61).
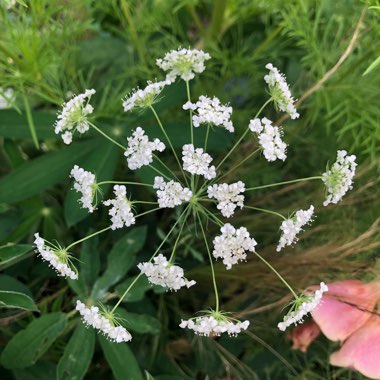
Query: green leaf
point(12, 284)
point(121, 360)
point(12, 254)
point(43, 172)
point(140, 323)
point(102, 162)
point(78, 354)
point(119, 261)
point(372, 66)
point(42, 370)
point(16, 300)
point(137, 292)
point(28, 345)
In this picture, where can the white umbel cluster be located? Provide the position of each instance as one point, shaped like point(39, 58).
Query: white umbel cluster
point(269, 138)
point(296, 316)
point(279, 89)
point(121, 211)
point(339, 179)
point(171, 194)
point(293, 226)
point(228, 196)
point(232, 245)
point(74, 116)
point(196, 161)
point(184, 63)
point(57, 259)
point(143, 98)
point(211, 326)
point(92, 317)
point(140, 149)
point(84, 183)
point(210, 111)
point(165, 274)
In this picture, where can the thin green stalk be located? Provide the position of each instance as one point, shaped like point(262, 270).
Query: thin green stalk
point(217, 18)
point(87, 237)
point(244, 134)
point(206, 139)
point(278, 274)
point(166, 167)
point(266, 211)
point(190, 112)
point(29, 118)
point(107, 137)
point(160, 172)
point(283, 183)
point(215, 219)
point(154, 254)
point(145, 203)
point(147, 212)
point(179, 235)
point(168, 140)
point(124, 183)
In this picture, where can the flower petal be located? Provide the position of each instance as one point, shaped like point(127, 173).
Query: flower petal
point(303, 335)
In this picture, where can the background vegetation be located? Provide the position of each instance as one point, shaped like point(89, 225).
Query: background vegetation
point(54, 48)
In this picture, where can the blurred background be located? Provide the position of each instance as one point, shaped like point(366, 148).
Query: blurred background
point(51, 49)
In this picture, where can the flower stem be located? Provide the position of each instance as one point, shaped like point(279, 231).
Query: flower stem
point(29, 118)
point(206, 139)
point(146, 212)
point(278, 274)
point(166, 167)
point(190, 112)
point(179, 235)
point(266, 211)
point(284, 183)
point(144, 202)
point(107, 137)
point(160, 172)
point(212, 266)
point(87, 237)
point(124, 183)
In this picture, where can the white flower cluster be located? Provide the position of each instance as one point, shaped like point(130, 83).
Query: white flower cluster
point(184, 63)
point(339, 179)
point(232, 244)
point(228, 196)
point(121, 212)
point(210, 326)
point(140, 149)
point(296, 316)
point(210, 111)
point(6, 98)
point(146, 97)
point(269, 139)
point(280, 91)
point(163, 273)
point(57, 259)
point(74, 116)
point(196, 161)
point(291, 227)
point(92, 317)
point(171, 194)
point(85, 183)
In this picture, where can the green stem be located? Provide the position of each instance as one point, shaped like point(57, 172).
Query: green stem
point(160, 173)
point(284, 183)
point(278, 274)
point(190, 112)
point(147, 212)
point(206, 139)
point(124, 183)
point(154, 254)
point(87, 237)
point(107, 137)
point(212, 266)
point(179, 235)
point(266, 211)
point(144, 203)
point(166, 167)
point(29, 118)
point(217, 18)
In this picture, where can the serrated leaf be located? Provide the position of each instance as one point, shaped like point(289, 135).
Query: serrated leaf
point(119, 261)
point(78, 354)
point(16, 300)
point(11, 254)
point(28, 345)
point(119, 356)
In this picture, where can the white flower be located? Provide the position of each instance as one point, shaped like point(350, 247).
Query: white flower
point(171, 194)
point(291, 227)
point(140, 149)
point(146, 97)
point(280, 91)
point(74, 116)
point(195, 161)
point(301, 307)
point(6, 98)
point(214, 325)
point(232, 245)
point(210, 111)
point(339, 179)
point(57, 257)
point(165, 274)
point(92, 317)
point(228, 196)
point(85, 183)
point(184, 63)
point(269, 138)
point(121, 212)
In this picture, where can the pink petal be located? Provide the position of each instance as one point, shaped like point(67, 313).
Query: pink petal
point(361, 350)
point(345, 308)
point(303, 335)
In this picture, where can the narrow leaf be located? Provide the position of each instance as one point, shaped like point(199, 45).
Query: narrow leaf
point(11, 254)
point(16, 300)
